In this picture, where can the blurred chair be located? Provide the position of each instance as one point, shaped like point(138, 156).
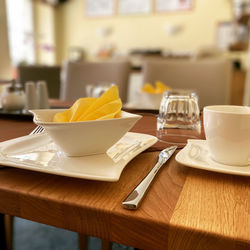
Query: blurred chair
point(246, 97)
point(206, 52)
point(246, 94)
point(210, 78)
point(75, 76)
point(50, 74)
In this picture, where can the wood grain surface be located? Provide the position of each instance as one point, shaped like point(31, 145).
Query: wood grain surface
point(214, 203)
point(184, 208)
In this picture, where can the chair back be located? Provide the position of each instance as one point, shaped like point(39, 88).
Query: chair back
point(246, 91)
point(210, 78)
point(50, 74)
point(77, 75)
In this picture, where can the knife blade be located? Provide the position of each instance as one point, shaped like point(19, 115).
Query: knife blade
point(135, 198)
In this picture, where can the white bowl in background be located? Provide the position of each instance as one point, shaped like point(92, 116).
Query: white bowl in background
point(85, 137)
point(149, 100)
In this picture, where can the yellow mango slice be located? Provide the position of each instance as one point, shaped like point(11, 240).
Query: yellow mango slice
point(110, 116)
point(110, 109)
point(110, 95)
point(107, 106)
point(148, 88)
point(62, 117)
point(73, 113)
point(118, 114)
point(80, 106)
point(160, 87)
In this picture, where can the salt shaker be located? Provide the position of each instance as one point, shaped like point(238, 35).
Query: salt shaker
point(31, 96)
point(42, 94)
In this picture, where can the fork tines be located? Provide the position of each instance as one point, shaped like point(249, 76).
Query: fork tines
point(37, 130)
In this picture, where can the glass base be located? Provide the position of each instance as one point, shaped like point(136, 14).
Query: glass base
point(176, 137)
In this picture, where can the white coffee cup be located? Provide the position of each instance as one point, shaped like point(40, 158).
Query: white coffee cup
point(227, 130)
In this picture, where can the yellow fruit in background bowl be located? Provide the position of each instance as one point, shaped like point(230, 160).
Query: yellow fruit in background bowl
point(159, 88)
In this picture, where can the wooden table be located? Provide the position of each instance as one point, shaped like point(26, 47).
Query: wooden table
point(184, 208)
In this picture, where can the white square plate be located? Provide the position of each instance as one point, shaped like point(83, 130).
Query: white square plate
point(38, 153)
point(196, 155)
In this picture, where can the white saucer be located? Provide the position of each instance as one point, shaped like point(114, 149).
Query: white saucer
point(39, 153)
point(196, 155)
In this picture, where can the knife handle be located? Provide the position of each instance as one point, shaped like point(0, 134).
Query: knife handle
point(135, 198)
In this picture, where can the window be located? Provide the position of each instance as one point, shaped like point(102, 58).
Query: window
point(20, 31)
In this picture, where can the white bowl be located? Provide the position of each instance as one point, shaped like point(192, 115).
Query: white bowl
point(149, 100)
point(86, 137)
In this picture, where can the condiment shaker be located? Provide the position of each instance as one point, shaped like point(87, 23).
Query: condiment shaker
point(43, 96)
point(31, 96)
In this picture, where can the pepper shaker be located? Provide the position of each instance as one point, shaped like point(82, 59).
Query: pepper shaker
point(42, 94)
point(31, 96)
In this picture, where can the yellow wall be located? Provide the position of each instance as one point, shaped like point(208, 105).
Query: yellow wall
point(74, 28)
point(5, 64)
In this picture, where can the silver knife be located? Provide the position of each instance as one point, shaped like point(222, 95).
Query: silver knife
point(134, 199)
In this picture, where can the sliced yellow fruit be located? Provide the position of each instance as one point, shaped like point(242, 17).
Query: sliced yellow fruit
point(148, 88)
point(110, 95)
point(62, 117)
point(161, 87)
point(109, 109)
point(80, 106)
point(73, 113)
point(107, 106)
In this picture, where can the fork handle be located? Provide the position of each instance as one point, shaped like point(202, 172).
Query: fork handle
point(135, 198)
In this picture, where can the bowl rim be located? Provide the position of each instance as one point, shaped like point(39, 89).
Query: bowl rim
point(132, 115)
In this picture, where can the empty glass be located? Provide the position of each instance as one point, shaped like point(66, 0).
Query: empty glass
point(96, 90)
point(179, 117)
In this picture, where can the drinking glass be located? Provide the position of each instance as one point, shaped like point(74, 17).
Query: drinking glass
point(96, 90)
point(179, 117)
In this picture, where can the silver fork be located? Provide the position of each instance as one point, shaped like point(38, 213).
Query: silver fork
point(39, 129)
